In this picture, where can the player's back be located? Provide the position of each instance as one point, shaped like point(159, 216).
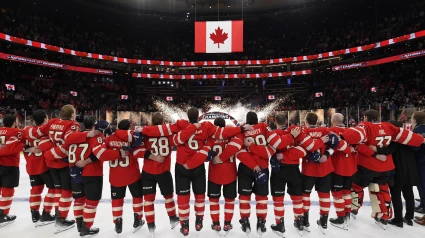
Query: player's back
point(226, 172)
point(344, 164)
point(9, 136)
point(59, 128)
point(82, 151)
point(317, 169)
point(379, 135)
point(160, 146)
point(258, 134)
point(123, 171)
point(195, 142)
point(35, 161)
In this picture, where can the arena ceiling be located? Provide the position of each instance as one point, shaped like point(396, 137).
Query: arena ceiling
point(174, 6)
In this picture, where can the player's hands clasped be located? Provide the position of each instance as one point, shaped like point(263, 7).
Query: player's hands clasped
point(216, 160)
point(381, 157)
point(323, 159)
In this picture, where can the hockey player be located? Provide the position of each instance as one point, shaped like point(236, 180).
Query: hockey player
point(222, 174)
point(253, 171)
point(56, 155)
point(87, 171)
point(317, 172)
point(374, 171)
point(9, 166)
point(158, 172)
point(39, 173)
point(344, 168)
point(192, 171)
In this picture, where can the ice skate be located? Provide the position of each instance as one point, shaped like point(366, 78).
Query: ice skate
point(198, 225)
point(279, 229)
point(6, 219)
point(152, 228)
point(347, 218)
point(261, 227)
point(323, 223)
point(299, 224)
point(174, 221)
point(138, 223)
point(339, 222)
point(45, 219)
point(381, 223)
point(216, 227)
point(227, 227)
point(354, 214)
point(118, 225)
point(306, 222)
point(63, 224)
point(184, 229)
point(246, 226)
point(79, 222)
point(88, 232)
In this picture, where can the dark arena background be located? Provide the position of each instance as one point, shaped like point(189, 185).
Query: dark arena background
point(125, 67)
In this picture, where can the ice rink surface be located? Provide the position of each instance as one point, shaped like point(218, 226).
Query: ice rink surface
point(363, 226)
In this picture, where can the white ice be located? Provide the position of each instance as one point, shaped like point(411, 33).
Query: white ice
point(363, 226)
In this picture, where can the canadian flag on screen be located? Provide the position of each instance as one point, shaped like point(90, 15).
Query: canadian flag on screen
point(218, 36)
point(271, 97)
point(169, 99)
point(124, 97)
point(73, 93)
point(217, 98)
point(10, 87)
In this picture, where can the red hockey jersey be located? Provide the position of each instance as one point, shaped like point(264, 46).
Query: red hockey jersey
point(162, 146)
point(291, 153)
point(379, 135)
point(264, 145)
point(344, 161)
point(35, 161)
point(314, 169)
point(9, 155)
point(186, 151)
point(57, 130)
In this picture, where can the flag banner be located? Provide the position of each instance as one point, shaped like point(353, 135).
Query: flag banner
point(44, 63)
point(169, 99)
point(217, 98)
point(318, 95)
point(271, 97)
point(73, 93)
point(220, 76)
point(386, 60)
point(124, 97)
point(218, 36)
point(323, 55)
point(373, 89)
point(10, 87)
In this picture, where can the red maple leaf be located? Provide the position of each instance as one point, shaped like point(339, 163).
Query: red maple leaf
point(219, 36)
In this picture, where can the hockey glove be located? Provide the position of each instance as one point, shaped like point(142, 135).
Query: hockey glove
point(333, 140)
point(314, 157)
point(261, 177)
point(76, 174)
point(275, 164)
point(211, 155)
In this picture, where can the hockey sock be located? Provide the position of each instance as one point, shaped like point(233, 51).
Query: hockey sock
point(79, 207)
point(215, 209)
point(117, 205)
point(229, 207)
point(90, 212)
point(297, 203)
point(184, 209)
point(346, 195)
point(261, 207)
point(48, 200)
point(324, 202)
point(65, 202)
point(170, 205)
point(306, 202)
point(357, 195)
point(6, 199)
point(58, 194)
point(35, 197)
point(339, 203)
point(138, 206)
point(245, 206)
point(149, 207)
point(199, 204)
point(279, 208)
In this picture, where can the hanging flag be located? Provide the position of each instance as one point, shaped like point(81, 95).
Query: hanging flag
point(124, 97)
point(10, 87)
point(218, 36)
point(73, 93)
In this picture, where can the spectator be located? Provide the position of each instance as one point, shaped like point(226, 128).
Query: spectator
point(419, 127)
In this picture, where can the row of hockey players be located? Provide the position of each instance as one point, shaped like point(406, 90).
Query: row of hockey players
point(66, 151)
